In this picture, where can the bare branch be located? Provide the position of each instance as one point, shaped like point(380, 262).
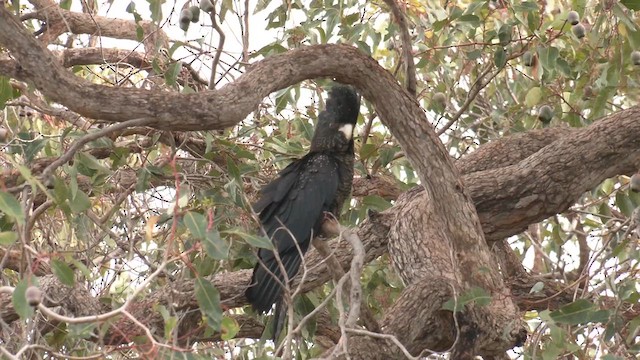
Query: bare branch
point(216, 57)
point(407, 52)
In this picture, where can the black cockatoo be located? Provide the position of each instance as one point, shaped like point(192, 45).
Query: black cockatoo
point(293, 207)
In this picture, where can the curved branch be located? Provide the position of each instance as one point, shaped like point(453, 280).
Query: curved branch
point(211, 110)
point(59, 21)
point(406, 46)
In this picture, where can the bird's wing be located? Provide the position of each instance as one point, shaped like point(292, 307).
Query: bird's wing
point(291, 208)
point(277, 189)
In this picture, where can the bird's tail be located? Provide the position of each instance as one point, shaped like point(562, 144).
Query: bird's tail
point(278, 320)
point(265, 290)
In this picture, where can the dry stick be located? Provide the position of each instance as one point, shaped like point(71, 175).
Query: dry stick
point(357, 263)
point(322, 305)
point(355, 298)
point(287, 293)
point(122, 310)
point(338, 273)
point(245, 34)
point(216, 58)
point(401, 20)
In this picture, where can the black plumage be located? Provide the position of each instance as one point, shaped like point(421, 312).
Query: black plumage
point(292, 207)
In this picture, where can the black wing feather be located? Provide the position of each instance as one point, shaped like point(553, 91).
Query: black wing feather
point(291, 205)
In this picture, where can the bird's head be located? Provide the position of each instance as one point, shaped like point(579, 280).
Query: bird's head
point(334, 129)
point(344, 102)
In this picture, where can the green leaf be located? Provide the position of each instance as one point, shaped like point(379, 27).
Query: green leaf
point(88, 162)
point(375, 202)
point(469, 18)
point(504, 34)
point(80, 202)
point(230, 328)
point(253, 240)
point(612, 357)
point(19, 299)
point(33, 148)
point(65, 4)
point(6, 91)
point(10, 206)
point(621, 14)
point(533, 97)
point(367, 150)
point(500, 57)
point(216, 247)
point(233, 169)
point(547, 57)
point(63, 272)
point(155, 6)
point(387, 154)
point(131, 7)
point(581, 311)
point(8, 238)
point(143, 177)
point(537, 287)
point(171, 75)
point(196, 223)
point(261, 5)
point(631, 4)
point(208, 299)
point(82, 331)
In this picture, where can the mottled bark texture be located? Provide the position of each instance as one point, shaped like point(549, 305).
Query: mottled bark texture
point(434, 233)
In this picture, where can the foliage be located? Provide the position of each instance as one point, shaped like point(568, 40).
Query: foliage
point(140, 198)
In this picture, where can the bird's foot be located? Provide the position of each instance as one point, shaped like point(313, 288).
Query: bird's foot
point(330, 225)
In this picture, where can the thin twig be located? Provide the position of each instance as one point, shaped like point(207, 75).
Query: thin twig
point(357, 263)
point(66, 157)
point(406, 46)
point(476, 87)
point(475, 90)
point(245, 34)
point(216, 57)
point(384, 337)
point(337, 272)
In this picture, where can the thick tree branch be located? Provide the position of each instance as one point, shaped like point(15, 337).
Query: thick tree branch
point(59, 21)
point(210, 110)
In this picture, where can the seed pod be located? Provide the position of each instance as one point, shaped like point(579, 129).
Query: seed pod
point(587, 92)
point(545, 114)
point(439, 98)
point(391, 45)
point(185, 19)
point(573, 18)
point(33, 296)
point(206, 6)
point(578, 30)
point(195, 14)
point(3, 134)
point(528, 58)
point(635, 57)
